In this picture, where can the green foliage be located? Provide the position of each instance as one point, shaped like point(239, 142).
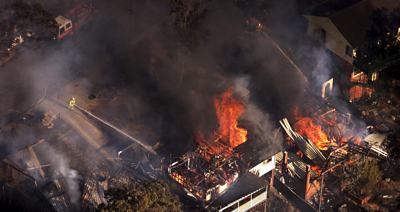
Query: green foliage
point(381, 49)
point(368, 177)
point(148, 196)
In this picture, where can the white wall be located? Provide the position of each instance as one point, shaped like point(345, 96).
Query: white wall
point(263, 167)
point(335, 41)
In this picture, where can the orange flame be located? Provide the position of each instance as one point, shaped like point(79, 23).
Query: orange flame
point(229, 135)
point(316, 169)
point(228, 110)
point(306, 126)
point(357, 92)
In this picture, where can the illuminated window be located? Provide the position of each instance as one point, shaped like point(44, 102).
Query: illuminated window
point(358, 92)
point(359, 77)
point(374, 76)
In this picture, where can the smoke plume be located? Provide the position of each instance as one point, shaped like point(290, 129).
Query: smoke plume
point(258, 121)
point(60, 166)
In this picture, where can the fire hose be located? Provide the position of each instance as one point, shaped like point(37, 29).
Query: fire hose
point(72, 104)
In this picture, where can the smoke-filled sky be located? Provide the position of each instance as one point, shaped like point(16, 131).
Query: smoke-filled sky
point(131, 46)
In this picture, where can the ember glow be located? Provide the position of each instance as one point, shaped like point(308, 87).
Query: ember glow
point(357, 92)
point(316, 169)
point(306, 126)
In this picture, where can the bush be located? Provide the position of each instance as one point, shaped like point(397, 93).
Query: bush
point(148, 196)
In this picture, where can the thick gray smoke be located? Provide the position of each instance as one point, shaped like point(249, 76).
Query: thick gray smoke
point(154, 86)
point(60, 165)
point(171, 87)
point(322, 70)
point(259, 122)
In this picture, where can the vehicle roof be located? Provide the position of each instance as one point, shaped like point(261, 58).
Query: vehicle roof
point(61, 20)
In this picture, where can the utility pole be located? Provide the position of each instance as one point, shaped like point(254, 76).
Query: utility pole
point(320, 192)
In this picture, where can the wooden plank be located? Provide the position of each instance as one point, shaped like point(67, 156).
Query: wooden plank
point(36, 161)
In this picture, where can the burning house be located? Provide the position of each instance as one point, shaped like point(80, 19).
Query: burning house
point(205, 179)
point(226, 160)
point(207, 172)
point(318, 144)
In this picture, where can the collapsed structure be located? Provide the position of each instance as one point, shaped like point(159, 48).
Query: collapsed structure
point(226, 160)
point(222, 182)
point(204, 179)
point(325, 143)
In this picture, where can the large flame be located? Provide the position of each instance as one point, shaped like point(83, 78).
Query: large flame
point(307, 127)
point(229, 135)
point(228, 110)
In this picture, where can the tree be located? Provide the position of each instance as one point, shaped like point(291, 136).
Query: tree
point(186, 15)
point(148, 196)
point(382, 46)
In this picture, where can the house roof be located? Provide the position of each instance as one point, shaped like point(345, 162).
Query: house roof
point(330, 7)
point(254, 152)
point(354, 22)
point(352, 17)
point(246, 184)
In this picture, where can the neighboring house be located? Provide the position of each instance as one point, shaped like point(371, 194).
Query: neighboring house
point(342, 25)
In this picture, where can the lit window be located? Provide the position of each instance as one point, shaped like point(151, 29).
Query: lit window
point(374, 76)
point(359, 77)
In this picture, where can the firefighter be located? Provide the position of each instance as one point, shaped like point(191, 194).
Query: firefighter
point(72, 103)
